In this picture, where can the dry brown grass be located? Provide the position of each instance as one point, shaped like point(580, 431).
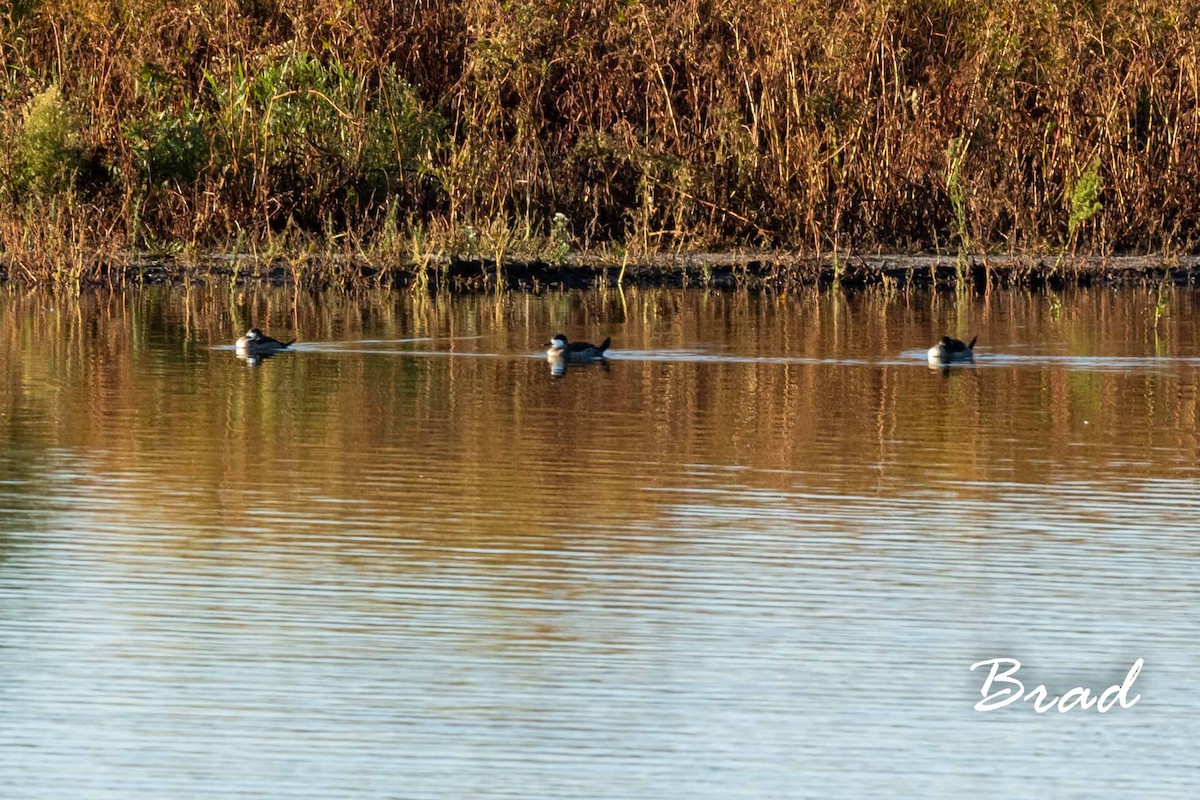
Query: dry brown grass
point(413, 126)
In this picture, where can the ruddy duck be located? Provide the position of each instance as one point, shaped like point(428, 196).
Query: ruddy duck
point(256, 343)
point(948, 350)
point(576, 351)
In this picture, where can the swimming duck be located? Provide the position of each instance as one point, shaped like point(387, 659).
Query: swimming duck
point(256, 343)
point(576, 351)
point(950, 350)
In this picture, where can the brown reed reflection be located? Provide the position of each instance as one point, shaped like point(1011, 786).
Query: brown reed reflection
point(477, 429)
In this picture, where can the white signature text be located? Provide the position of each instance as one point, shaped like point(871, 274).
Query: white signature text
point(1011, 690)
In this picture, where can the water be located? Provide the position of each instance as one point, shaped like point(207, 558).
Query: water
point(754, 556)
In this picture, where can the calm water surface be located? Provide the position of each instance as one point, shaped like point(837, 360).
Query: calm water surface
point(753, 556)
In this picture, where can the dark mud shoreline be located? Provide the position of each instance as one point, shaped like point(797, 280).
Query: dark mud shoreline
point(752, 271)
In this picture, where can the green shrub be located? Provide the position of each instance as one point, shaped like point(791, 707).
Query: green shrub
point(169, 147)
point(317, 135)
point(48, 150)
point(1085, 197)
point(559, 244)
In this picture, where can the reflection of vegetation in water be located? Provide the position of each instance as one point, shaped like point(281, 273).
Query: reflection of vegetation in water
point(129, 376)
point(1161, 301)
point(22, 477)
point(179, 127)
point(1055, 307)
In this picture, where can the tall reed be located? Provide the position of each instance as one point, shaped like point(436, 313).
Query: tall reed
point(899, 124)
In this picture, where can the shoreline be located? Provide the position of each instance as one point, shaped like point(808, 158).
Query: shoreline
point(745, 270)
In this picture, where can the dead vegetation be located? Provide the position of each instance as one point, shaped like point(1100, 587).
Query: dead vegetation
point(397, 136)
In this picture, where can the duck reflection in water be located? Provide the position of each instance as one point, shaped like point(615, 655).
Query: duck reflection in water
point(559, 365)
point(254, 359)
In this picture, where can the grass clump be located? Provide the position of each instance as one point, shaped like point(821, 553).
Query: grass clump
point(168, 146)
point(559, 241)
point(956, 153)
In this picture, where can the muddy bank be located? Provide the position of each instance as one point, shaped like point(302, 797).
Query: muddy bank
point(781, 271)
point(753, 271)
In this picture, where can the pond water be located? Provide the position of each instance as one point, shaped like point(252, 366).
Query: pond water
point(753, 555)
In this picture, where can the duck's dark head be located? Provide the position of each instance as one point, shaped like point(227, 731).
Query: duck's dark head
point(254, 334)
point(558, 342)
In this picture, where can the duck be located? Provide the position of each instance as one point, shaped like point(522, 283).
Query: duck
point(576, 351)
point(948, 350)
point(257, 343)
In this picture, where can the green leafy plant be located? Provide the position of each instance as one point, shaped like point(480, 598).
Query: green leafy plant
point(310, 136)
point(49, 147)
point(169, 146)
point(1085, 198)
point(559, 244)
